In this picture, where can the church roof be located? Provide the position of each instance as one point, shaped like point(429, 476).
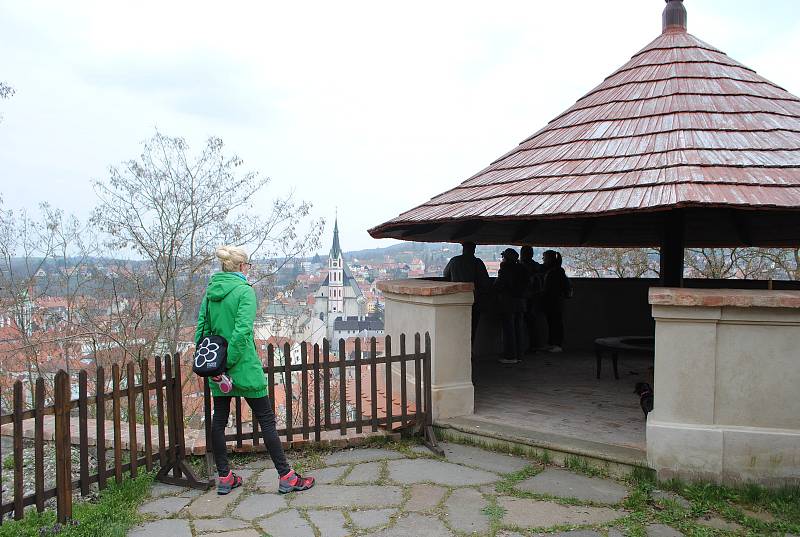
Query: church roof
point(336, 249)
point(681, 125)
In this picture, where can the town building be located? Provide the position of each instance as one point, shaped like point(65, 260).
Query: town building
point(339, 296)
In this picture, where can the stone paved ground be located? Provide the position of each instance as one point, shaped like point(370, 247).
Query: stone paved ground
point(389, 493)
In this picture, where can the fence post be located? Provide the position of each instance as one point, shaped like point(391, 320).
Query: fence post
point(183, 474)
point(17, 416)
point(63, 448)
point(38, 444)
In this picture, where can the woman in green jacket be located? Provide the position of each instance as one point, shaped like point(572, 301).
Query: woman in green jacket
point(230, 303)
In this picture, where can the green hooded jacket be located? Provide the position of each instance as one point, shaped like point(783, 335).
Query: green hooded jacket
point(232, 311)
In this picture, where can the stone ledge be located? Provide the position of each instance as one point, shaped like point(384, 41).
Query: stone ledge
point(737, 298)
point(419, 287)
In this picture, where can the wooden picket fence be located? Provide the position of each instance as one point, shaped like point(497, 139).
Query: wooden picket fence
point(162, 391)
point(318, 394)
point(157, 397)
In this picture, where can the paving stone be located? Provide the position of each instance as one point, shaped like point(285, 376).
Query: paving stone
point(719, 524)
point(483, 459)
point(287, 524)
point(249, 532)
point(445, 473)
point(614, 532)
point(542, 514)
point(210, 504)
point(509, 534)
point(364, 473)
point(662, 530)
point(425, 497)
point(371, 518)
point(488, 489)
point(465, 511)
point(259, 505)
point(671, 496)
point(415, 525)
point(191, 493)
point(158, 490)
point(353, 456)
point(326, 476)
point(162, 528)
point(423, 451)
point(259, 464)
point(164, 507)
point(763, 516)
point(329, 523)
point(564, 484)
point(268, 481)
point(218, 524)
point(352, 496)
point(575, 533)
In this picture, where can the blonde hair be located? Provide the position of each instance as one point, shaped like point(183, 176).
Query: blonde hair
point(231, 257)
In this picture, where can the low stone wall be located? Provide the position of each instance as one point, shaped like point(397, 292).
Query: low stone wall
point(727, 372)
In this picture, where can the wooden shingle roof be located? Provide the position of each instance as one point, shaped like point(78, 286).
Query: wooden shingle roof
point(680, 126)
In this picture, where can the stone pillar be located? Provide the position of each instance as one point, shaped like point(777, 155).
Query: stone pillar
point(444, 310)
point(727, 369)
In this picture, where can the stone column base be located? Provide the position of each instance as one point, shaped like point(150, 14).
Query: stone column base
point(724, 454)
point(450, 400)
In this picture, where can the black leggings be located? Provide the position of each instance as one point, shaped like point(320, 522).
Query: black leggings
point(262, 411)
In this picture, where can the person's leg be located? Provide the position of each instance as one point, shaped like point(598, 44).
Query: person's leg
point(552, 331)
point(558, 320)
point(519, 332)
point(262, 411)
point(222, 409)
point(508, 335)
point(476, 317)
point(290, 481)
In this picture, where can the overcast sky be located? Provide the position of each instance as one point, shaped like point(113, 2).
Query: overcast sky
point(370, 106)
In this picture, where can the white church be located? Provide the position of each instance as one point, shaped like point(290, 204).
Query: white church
point(338, 297)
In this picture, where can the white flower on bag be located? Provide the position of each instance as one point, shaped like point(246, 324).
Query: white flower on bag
point(206, 353)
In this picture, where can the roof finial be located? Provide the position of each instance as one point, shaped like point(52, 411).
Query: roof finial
point(674, 17)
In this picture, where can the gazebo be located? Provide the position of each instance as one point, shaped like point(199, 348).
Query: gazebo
point(680, 147)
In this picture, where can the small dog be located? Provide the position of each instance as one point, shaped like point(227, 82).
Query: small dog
point(645, 393)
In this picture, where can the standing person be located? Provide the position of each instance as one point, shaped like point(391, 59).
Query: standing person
point(468, 268)
point(511, 283)
point(231, 305)
point(532, 306)
point(556, 288)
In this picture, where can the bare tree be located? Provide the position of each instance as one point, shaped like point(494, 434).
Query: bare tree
point(612, 262)
point(728, 263)
point(173, 208)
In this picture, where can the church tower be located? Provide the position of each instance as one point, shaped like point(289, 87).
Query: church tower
point(335, 279)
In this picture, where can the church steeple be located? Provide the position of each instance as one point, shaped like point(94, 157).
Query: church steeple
point(336, 250)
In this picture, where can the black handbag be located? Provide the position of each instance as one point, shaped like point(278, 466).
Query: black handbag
point(210, 353)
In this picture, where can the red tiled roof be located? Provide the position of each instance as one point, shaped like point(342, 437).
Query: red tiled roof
point(680, 125)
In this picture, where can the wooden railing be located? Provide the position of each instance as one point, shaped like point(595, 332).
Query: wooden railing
point(325, 401)
point(162, 391)
point(336, 394)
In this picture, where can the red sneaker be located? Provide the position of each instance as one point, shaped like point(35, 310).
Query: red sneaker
point(293, 481)
point(228, 483)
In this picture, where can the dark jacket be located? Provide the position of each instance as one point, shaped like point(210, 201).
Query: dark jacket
point(511, 286)
point(470, 269)
point(555, 286)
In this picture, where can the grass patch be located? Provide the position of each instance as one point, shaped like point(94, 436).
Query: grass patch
point(112, 515)
point(582, 466)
